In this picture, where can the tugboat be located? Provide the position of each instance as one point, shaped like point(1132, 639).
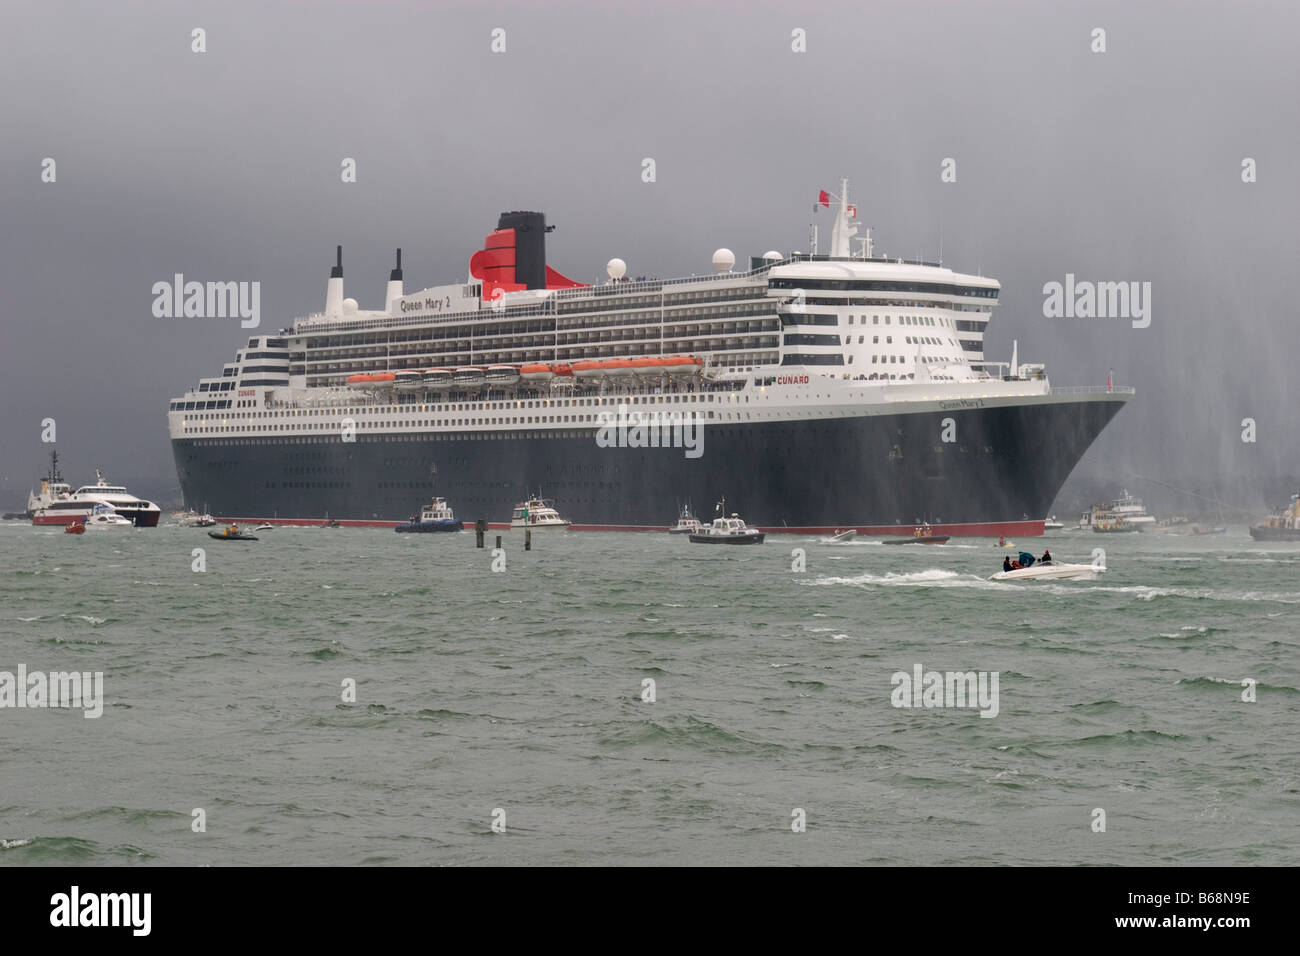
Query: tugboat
point(726, 530)
point(231, 533)
point(921, 534)
point(686, 523)
point(437, 516)
point(1282, 525)
point(537, 513)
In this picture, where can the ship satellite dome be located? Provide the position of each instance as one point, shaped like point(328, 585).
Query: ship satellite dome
point(723, 260)
point(349, 305)
point(616, 268)
point(773, 255)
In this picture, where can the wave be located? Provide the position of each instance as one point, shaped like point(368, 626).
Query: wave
point(1217, 683)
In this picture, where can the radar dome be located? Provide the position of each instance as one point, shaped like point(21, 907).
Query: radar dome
point(723, 260)
point(349, 305)
point(773, 255)
point(616, 268)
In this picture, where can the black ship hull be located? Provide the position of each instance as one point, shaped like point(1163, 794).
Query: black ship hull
point(877, 473)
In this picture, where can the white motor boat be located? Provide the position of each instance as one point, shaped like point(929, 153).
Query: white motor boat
point(536, 513)
point(727, 530)
point(1052, 571)
point(103, 517)
point(192, 519)
point(847, 535)
point(686, 523)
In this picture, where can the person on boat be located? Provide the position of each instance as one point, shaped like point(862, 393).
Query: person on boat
point(1015, 565)
point(1002, 542)
point(1046, 558)
point(1006, 563)
point(234, 530)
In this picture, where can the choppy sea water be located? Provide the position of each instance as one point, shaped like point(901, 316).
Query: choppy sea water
point(521, 691)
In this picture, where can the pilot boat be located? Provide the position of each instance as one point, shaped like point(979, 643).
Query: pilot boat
point(436, 516)
point(726, 530)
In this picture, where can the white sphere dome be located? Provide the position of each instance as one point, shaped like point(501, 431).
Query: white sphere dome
point(349, 305)
point(616, 268)
point(723, 260)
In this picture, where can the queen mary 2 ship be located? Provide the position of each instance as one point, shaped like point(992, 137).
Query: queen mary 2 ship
point(816, 392)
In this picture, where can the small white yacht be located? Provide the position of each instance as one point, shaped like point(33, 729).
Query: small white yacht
point(104, 517)
point(192, 519)
point(536, 513)
point(686, 523)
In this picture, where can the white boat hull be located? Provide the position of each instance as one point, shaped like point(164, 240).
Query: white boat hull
point(1052, 572)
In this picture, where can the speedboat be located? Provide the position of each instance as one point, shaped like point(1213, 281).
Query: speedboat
point(686, 523)
point(536, 513)
point(75, 527)
point(1052, 571)
point(847, 535)
point(437, 516)
point(1004, 543)
point(264, 527)
point(1032, 569)
point(728, 531)
point(103, 517)
point(231, 533)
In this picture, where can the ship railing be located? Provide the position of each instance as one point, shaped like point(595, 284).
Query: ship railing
point(1093, 390)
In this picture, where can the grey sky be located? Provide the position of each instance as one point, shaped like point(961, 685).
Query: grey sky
point(225, 166)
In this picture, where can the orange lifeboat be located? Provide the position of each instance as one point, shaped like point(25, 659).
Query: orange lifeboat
point(536, 372)
point(358, 381)
point(618, 368)
point(683, 366)
point(647, 368)
point(563, 370)
point(589, 370)
point(74, 527)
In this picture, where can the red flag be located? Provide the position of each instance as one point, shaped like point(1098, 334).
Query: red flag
point(824, 198)
point(853, 212)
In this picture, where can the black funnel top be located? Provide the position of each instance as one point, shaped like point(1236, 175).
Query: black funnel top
point(530, 246)
point(337, 271)
point(396, 274)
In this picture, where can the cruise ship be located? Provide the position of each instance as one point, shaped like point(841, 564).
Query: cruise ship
point(816, 391)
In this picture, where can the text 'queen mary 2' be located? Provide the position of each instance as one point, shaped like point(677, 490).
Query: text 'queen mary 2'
point(814, 392)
